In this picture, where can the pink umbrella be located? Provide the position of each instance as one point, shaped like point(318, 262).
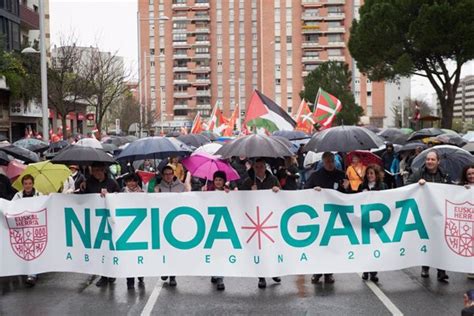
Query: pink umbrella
point(13, 169)
point(203, 165)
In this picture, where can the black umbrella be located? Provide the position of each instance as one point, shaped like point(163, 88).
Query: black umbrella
point(372, 128)
point(32, 144)
point(469, 147)
point(291, 135)
point(253, 146)
point(451, 139)
point(425, 132)
point(4, 160)
point(80, 155)
point(413, 146)
point(343, 139)
point(131, 138)
point(173, 134)
point(394, 135)
point(212, 136)
point(20, 153)
point(453, 160)
point(195, 140)
point(109, 147)
point(116, 140)
point(154, 148)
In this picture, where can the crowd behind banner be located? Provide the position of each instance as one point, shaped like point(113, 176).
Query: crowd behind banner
point(337, 171)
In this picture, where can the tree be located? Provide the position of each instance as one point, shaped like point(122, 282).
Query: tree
point(106, 83)
point(12, 69)
point(67, 87)
point(413, 37)
point(127, 110)
point(335, 78)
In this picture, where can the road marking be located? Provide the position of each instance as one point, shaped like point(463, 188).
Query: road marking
point(383, 298)
point(152, 299)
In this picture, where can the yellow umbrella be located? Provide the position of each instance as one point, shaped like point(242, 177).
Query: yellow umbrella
point(48, 177)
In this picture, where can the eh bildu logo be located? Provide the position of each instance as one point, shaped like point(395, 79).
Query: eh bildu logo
point(459, 228)
point(28, 233)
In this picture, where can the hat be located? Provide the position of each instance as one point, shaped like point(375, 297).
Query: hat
point(74, 167)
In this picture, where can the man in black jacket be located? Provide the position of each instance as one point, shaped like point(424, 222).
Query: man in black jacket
point(328, 177)
point(431, 173)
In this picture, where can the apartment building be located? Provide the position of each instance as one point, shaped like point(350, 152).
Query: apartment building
point(196, 53)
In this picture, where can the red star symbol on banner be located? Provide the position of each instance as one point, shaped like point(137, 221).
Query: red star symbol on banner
point(259, 228)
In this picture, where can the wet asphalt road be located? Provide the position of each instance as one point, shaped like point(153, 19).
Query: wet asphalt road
point(72, 294)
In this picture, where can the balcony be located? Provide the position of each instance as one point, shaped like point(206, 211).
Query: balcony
point(311, 3)
point(310, 29)
point(180, 56)
point(203, 93)
point(202, 56)
point(201, 6)
point(202, 43)
point(204, 106)
point(335, 16)
point(202, 82)
point(311, 45)
point(29, 18)
point(180, 44)
point(335, 45)
point(311, 59)
point(335, 2)
point(336, 30)
point(202, 30)
point(337, 58)
point(180, 107)
point(179, 6)
point(179, 31)
point(201, 18)
point(202, 69)
point(180, 69)
point(181, 81)
point(305, 73)
point(179, 18)
point(311, 17)
point(181, 95)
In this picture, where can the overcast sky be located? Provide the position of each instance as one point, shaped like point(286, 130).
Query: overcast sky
point(112, 25)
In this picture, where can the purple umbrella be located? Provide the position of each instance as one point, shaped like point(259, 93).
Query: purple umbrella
point(203, 165)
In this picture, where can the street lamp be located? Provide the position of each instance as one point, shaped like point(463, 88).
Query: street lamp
point(142, 72)
point(44, 77)
point(239, 122)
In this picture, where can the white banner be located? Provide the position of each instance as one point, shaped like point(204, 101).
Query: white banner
point(253, 233)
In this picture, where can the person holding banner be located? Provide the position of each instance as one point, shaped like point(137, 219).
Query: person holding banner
point(218, 184)
point(328, 177)
point(372, 182)
point(170, 183)
point(99, 182)
point(467, 179)
point(28, 182)
point(131, 185)
point(262, 180)
point(431, 173)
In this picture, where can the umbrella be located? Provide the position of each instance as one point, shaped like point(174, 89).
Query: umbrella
point(130, 138)
point(451, 139)
point(118, 140)
point(425, 132)
point(48, 177)
point(79, 155)
point(469, 147)
point(366, 157)
point(13, 169)
point(394, 135)
point(413, 146)
point(291, 146)
point(291, 135)
point(155, 147)
point(195, 140)
point(253, 146)
point(469, 136)
point(20, 153)
point(343, 139)
point(210, 148)
point(173, 134)
point(453, 160)
point(109, 147)
point(380, 150)
point(372, 128)
point(202, 165)
point(449, 131)
point(212, 136)
point(4, 160)
point(89, 142)
point(32, 144)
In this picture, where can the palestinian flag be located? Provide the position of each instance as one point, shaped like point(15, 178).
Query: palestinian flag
point(326, 108)
point(218, 122)
point(197, 124)
point(304, 118)
point(263, 113)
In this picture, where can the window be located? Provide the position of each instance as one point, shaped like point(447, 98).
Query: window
point(288, 39)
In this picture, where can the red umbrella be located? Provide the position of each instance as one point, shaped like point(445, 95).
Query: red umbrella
point(13, 169)
point(366, 157)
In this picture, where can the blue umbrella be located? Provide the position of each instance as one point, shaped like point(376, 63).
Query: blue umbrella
point(154, 148)
point(32, 144)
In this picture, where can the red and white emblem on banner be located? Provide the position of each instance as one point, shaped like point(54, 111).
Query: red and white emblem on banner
point(28, 233)
point(459, 228)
